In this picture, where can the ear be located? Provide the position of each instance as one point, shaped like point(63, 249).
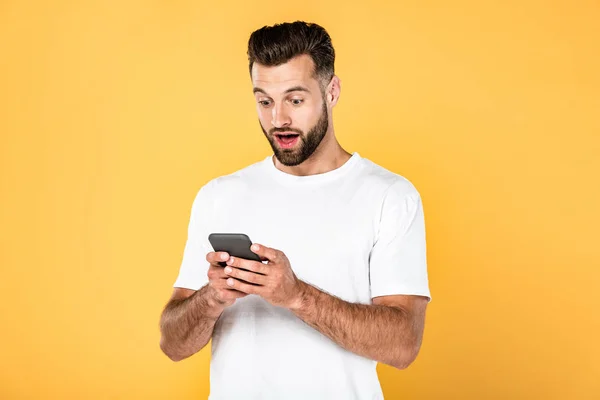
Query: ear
point(333, 91)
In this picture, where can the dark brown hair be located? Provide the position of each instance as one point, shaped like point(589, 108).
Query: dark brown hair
point(277, 44)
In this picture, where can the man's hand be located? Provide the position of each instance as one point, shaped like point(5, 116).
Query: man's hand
point(223, 294)
point(389, 331)
point(275, 281)
point(188, 320)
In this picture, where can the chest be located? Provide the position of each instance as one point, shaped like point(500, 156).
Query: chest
point(327, 235)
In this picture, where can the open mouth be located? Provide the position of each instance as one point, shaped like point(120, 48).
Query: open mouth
point(287, 140)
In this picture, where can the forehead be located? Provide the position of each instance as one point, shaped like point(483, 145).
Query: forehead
point(297, 71)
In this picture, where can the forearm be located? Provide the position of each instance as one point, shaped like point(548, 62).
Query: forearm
point(187, 325)
point(382, 333)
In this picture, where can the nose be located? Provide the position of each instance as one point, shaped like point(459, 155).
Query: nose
point(279, 116)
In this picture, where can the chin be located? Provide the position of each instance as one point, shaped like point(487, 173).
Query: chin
point(289, 161)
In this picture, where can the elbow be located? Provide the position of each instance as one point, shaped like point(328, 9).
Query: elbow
point(175, 353)
point(175, 357)
point(406, 358)
point(401, 364)
point(168, 351)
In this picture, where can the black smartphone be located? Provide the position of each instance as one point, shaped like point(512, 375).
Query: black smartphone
point(236, 244)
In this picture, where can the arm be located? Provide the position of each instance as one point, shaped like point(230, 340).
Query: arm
point(389, 331)
point(188, 319)
point(187, 322)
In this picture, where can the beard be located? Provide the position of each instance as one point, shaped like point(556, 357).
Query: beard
point(307, 144)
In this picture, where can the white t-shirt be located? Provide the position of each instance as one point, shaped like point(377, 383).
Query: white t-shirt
point(356, 232)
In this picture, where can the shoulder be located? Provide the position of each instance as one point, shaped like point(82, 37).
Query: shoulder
point(233, 182)
point(386, 183)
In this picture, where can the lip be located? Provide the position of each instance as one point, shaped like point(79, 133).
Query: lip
point(287, 145)
point(286, 133)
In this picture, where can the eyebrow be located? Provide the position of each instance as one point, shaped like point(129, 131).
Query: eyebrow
point(292, 89)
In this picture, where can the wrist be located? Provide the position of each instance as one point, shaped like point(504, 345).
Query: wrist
point(214, 305)
point(300, 301)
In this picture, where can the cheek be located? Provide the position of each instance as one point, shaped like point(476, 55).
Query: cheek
point(307, 117)
point(264, 116)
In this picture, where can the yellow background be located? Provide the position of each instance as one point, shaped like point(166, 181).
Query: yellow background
point(113, 114)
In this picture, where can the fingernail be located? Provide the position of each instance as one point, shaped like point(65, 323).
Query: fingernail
point(227, 270)
point(230, 282)
point(224, 256)
point(254, 247)
point(230, 261)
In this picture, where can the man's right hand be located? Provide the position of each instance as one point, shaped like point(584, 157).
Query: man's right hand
point(217, 280)
point(188, 320)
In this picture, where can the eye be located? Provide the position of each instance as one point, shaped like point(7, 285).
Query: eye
point(264, 103)
point(297, 102)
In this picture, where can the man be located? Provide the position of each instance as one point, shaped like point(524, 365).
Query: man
point(343, 283)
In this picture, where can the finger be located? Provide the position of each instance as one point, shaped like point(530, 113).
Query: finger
point(217, 277)
point(246, 276)
point(221, 286)
point(250, 265)
point(243, 287)
point(224, 287)
point(228, 297)
point(265, 253)
point(215, 272)
point(216, 257)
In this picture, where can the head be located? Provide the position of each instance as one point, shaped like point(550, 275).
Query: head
point(292, 71)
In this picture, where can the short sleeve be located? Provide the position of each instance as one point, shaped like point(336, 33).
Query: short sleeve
point(398, 260)
point(194, 267)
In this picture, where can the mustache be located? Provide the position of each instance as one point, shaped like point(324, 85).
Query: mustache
point(273, 131)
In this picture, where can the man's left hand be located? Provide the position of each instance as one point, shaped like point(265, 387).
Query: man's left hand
point(274, 281)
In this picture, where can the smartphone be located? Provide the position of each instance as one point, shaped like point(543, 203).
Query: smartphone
point(236, 244)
